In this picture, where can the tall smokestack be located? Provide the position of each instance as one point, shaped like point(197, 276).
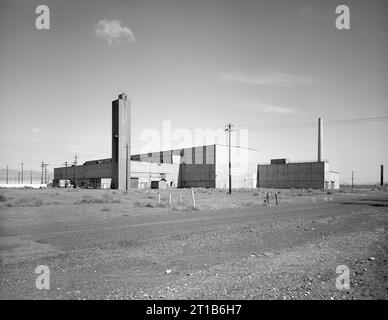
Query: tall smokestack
point(319, 140)
point(121, 143)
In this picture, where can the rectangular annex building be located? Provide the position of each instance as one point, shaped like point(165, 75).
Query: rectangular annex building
point(283, 174)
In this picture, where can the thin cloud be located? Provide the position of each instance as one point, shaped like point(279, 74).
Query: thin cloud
point(277, 79)
point(35, 130)
point(256, 107)
point(267, 108)
point(113, 31)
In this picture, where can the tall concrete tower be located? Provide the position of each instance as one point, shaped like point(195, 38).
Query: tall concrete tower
point(121, 143)
point(319, 140)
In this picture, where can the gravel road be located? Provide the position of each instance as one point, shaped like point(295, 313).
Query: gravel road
point(280, 252)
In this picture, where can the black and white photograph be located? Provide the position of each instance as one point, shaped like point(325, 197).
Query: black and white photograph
point(193, 155)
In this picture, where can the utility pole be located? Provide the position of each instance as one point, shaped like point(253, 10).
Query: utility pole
point(229, 130)
point(45, 172)
point(7, 175)
point(42, 166)
point(126, 166)
point(75, 173)
point(382, 175)
point(352, 179)
point(66, 177)
point(66, 164)
point(22, 172)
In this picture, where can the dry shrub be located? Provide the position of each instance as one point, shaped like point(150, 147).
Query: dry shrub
point(147, 204)
point(26, 202)
point(3, 198)
point(106, 198)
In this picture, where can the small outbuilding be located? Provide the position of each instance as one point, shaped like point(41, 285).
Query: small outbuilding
point(159, 184)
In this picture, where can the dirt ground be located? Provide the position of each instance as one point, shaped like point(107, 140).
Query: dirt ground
point(105, 244)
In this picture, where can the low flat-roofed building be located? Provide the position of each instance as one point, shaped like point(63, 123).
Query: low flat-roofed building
point(286, 175)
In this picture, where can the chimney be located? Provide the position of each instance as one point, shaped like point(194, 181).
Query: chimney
point(319, 140)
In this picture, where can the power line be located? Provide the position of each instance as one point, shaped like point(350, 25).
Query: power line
point(43, 165)
point(311, 123)
point(239, 147)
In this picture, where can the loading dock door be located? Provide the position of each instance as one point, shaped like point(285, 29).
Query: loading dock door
point(134, 182)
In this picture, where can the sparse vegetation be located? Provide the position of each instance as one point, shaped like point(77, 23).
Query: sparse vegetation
point(106, 198)
point(26, 202)
point(249, 204)
point(54, 202)
point(147, 204)
point(232, 247)
point(183, 207)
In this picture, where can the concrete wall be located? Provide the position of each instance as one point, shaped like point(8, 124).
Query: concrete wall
point(196, 176)
point(333, 182)
point(292, 175)
point(207, 166)
point(196, 165)
point(147, 172)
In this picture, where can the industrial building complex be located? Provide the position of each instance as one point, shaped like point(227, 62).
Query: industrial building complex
point(204, 166)
point(200, 166)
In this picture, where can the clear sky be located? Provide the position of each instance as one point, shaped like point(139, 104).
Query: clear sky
point(198, 64)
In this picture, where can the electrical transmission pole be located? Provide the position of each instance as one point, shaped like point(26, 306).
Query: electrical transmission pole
point(382, 175)
point(42, 166)
point(229, 130)
point(66, 164)
point(126, 166)
point(45, 172)
point(75, 174)
point(22, 172)
point(66, 177)
point(352, 179)
point(7, 175)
